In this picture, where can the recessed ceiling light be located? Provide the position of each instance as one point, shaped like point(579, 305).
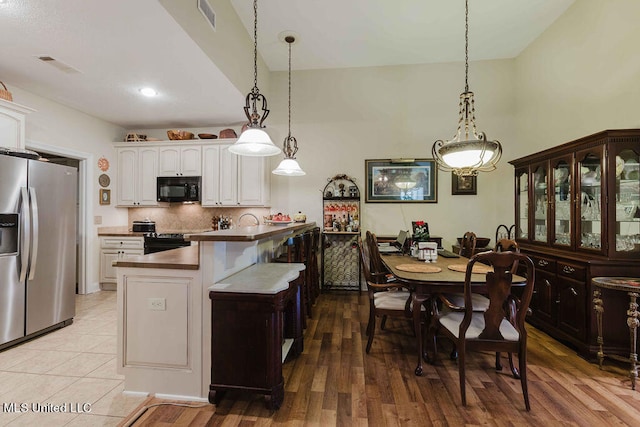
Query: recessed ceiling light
point(148, 91)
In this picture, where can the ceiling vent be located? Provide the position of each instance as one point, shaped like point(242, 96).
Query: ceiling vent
point(207, 11)
point(57, 64)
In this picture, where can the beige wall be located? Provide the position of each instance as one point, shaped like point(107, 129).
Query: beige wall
point(581, 76)
point(342, 117)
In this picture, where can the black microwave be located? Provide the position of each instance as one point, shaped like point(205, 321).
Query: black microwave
point(179, 188)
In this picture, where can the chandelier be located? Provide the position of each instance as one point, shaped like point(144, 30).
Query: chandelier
point(254, 141)
point(469, 152)
point(289, 166)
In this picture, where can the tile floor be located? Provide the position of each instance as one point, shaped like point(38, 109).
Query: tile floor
point(73, 366)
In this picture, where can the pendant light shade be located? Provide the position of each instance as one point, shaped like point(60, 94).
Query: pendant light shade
point(469, 152)
point(254, 141)
point(289, 166)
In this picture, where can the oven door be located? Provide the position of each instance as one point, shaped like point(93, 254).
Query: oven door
point(159, 244)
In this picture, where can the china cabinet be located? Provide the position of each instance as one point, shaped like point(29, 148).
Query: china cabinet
point(577, 216)
point(341, 228)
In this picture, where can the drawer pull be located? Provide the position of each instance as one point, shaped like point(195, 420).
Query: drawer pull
point(546, 282)
point(568, 270)
point(573, 291)
point(543, 263)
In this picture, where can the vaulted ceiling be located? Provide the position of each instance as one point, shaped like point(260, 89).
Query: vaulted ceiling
point(105, 51)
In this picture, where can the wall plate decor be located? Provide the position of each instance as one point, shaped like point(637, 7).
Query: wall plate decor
point(463, 184)
point(105, 196)
point(104, 180)
point(401, 180)
point(103, 164)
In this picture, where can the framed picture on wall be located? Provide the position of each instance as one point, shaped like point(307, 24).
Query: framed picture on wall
point(105, 196)
point(461, 185)
point(401, 180)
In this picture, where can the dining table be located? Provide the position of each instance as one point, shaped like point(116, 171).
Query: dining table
point(428, 279)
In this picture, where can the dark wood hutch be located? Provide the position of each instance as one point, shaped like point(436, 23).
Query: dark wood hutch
point(577, 216)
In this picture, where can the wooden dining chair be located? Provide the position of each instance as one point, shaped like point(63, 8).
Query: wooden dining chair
point(468, 244)
point(502, 327)
point(385, 298)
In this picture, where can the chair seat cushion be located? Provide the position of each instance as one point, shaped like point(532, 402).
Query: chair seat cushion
point(479, 302)
point(452, 320)
point(392, 300)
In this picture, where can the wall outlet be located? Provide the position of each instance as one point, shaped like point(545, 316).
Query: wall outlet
point(97, 220)
point(158, 304)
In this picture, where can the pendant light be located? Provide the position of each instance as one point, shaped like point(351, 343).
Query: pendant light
point(289, 166)
point(469, 152)
point(254, 141)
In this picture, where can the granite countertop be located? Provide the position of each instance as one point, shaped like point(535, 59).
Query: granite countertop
point(185, 258)
point(248, 234)
point(118, 231)
point(124, 230)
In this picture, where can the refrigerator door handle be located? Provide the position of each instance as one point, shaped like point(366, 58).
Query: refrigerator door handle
point(34, 222)
point(26, 234)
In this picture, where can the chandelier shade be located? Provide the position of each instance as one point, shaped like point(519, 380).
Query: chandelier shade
point(254, 141)
point(469, 151)
point(289, 165)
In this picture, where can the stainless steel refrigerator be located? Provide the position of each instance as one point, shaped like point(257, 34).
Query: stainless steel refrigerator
point(38, 205)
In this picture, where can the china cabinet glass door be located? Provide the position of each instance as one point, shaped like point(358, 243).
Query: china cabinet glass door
point(627, 201)
point(589, 202)
point(561, 208)
point(522, 204)
point(540, 204)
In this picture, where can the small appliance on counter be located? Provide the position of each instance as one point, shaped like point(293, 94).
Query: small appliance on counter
point(145, 226)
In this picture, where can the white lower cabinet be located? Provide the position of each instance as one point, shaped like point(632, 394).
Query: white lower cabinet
point(114, 249)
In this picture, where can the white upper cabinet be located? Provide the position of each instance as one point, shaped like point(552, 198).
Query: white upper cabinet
point(227, 179)
point(219, 176)
point(12, 123)
point(180, 161)
point(254, 181)
point(231, 180)
point(137, 173)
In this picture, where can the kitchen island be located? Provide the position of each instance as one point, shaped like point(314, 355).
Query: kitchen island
point(164, 322)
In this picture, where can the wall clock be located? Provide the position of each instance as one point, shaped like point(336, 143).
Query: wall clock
point(104, 180)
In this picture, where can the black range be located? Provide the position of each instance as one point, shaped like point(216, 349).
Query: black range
point(158, 242)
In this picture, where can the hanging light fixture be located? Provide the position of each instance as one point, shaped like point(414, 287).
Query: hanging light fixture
point(254, 141)
point(469, 152)
point(289, 166)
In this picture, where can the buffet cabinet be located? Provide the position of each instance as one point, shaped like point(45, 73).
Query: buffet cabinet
point(577, 216)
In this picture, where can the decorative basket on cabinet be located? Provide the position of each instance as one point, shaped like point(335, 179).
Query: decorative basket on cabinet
point(5, 94)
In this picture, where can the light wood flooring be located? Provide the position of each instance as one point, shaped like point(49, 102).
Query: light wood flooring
point(335, 383)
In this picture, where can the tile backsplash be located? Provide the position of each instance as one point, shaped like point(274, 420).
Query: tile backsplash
point(178, 218)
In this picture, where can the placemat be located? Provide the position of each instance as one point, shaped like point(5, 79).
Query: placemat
point(419, 268)
point(477, 268)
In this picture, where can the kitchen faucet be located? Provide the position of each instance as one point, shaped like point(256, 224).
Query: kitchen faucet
point(249, 214)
